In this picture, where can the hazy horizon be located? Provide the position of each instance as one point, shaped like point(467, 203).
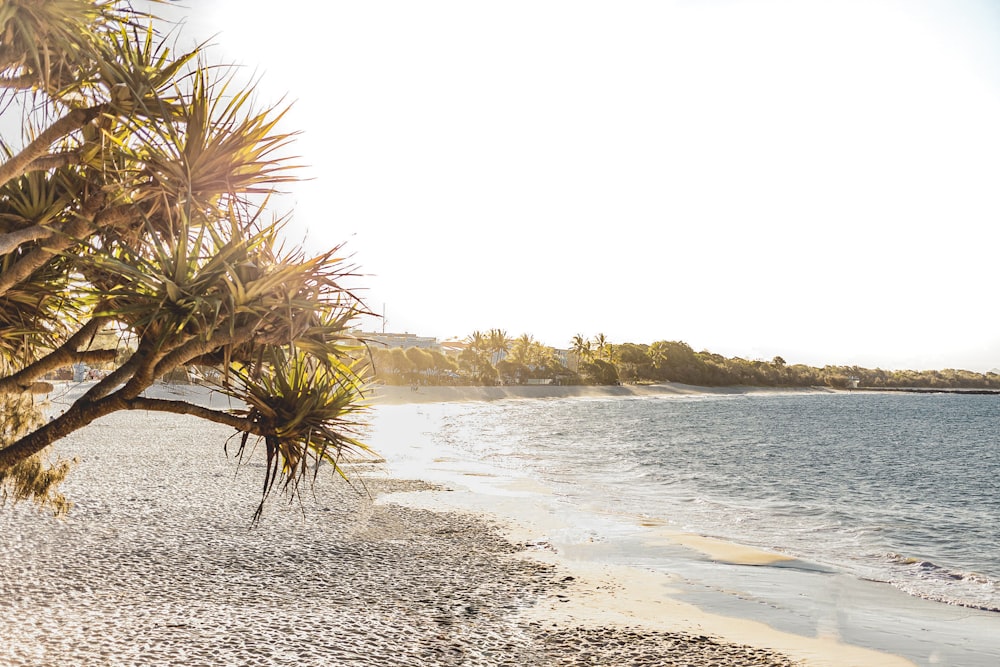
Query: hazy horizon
point(806, 179)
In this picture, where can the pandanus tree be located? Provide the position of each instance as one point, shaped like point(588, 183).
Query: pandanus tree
point(137, 202)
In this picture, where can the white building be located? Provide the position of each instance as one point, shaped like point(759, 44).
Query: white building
point(398, 340)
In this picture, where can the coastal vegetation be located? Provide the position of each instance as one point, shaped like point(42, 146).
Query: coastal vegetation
point(136, 237)
point(595, 360)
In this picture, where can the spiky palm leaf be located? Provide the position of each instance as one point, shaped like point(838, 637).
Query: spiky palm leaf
point(35, 316)
point(168, 286)
point(307, 412)
point(35, 312)
point(212, 280)
point(37, 198)
point(136, 74)
point(45, 44)
point(216, 147)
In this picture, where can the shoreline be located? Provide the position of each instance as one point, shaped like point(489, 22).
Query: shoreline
point(606, 593)
point(604, 596)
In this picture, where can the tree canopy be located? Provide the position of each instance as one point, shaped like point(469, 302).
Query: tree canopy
point(137, 203)
point(599, 361)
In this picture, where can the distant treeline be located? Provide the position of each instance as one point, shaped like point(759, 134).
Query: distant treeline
point(492, 358)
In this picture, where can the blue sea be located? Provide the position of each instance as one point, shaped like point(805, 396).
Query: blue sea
point(889, 487)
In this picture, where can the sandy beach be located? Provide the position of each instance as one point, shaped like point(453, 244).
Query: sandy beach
point(157, 564)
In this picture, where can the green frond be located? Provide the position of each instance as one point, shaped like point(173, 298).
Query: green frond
point(33, 319)
point(203, 281)
point(37, 198)
point(138, 75)
point(308, 412)
point(216, 147)
point(35, 312)
point(49, 42)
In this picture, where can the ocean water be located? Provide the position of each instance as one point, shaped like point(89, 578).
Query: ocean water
point(895, 488)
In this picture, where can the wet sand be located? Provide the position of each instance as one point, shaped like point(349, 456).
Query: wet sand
point(157, 564)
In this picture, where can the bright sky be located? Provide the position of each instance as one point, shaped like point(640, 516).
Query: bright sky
point(815, 179)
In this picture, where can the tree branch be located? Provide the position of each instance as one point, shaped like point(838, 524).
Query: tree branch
point(118, 216)
point(76, 417)
point(54, 161)
point(84, 412)
point(196, 348)
point(20, 82)
point(119, 376)
point(244, 424)
point(96, 356)
point(71, 233)
point(75, 119)
point(37, 258)
point(153, 364)
point(67, 353)
point(9, 57)
point(115, 216)
point(11, 240)
point(143, 372)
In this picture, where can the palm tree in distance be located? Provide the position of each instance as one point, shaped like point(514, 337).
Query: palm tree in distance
point(603, 346)
point(521, 348)
point(581, 346)
point(475, 360)
point(477, 341)
point(498, 344)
